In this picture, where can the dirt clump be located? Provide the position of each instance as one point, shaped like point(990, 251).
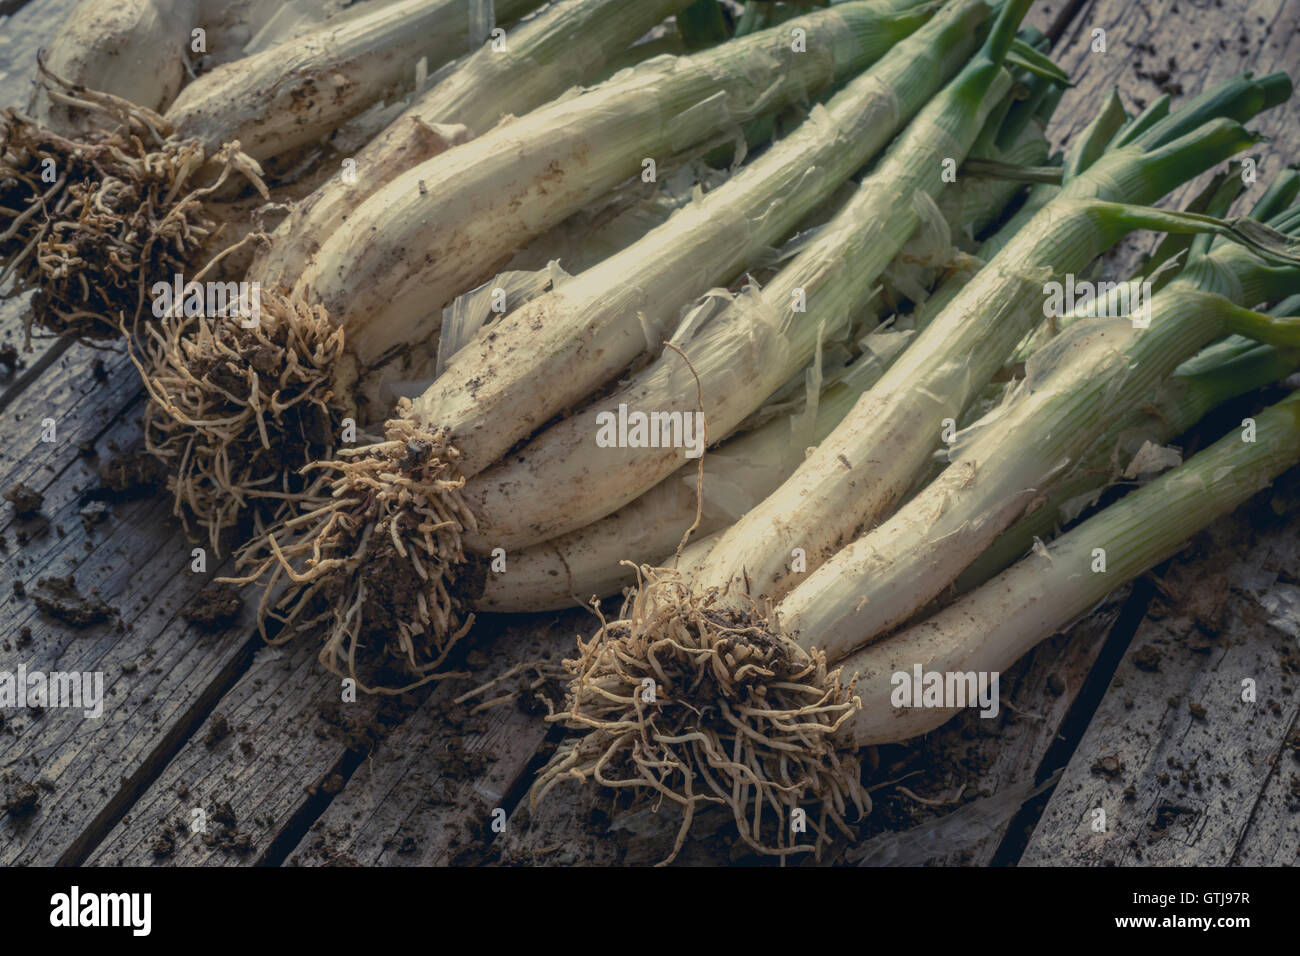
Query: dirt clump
point(18, 798)
point(214, 608)
point(93, 513)
point(164, 845)
point(1167, 814)
point(1147, 659)
point(1108, 766)
point(60, 599)
point(225, 836)
point(218, 730)
point(135, 474)
point(26, 501)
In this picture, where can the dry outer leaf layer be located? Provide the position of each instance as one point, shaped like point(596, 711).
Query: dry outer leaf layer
point(687, 702)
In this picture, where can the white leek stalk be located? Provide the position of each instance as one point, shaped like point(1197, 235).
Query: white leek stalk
point(596, 560)
point(445, 225)
point(989, 629)
point(860, 473)
point(593, 561)
point(289, 95)
point(1073, 390)
point(725, 365)
point(566, 43)
point(593, 327)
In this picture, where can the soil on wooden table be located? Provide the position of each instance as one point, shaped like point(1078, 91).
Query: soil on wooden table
point(215, 607)
point(60, 599)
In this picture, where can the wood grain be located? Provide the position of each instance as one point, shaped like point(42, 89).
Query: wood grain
point(275, 741)
point(430, 794)
point(1177, 760)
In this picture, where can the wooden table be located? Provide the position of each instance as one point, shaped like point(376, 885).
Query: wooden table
point(1138, 705)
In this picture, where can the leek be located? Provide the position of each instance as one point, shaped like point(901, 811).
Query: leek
point(550, 353)
point(593, 561)
point(566, 43)
point(859, 474)
point(707, 631)
point(993, 626)
point(1227, 370)
point(133, 49)
point(726, 365)
point(1073, 389)
point(387, 273)
point(234, 413)
point(129, 206)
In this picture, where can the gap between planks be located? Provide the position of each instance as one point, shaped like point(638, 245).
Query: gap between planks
point(1184, 769)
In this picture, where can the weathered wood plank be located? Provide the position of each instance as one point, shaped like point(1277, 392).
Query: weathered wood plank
point(1175, 757)
point(57, 540)
point(160, 678)
point(579, 824)
point(136, 553)
point(21, 363)
point(82, 405)
point(160, 675)
point(395, 824)
point(1273, 833)
point(277, 740)
point(429, 795)
point(30, 26)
